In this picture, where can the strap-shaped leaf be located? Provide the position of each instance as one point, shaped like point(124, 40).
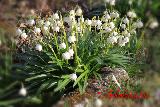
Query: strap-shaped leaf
point(62, 85)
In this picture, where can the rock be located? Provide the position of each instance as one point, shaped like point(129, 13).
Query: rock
point(106, 78)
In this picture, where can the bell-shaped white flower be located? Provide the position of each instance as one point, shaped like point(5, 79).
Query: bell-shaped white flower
point(19, 32)
point(23, 91)
point(139, 24)
point(154, 24)
point(66, 55)
point(62, 46)
point(79, 12)
point(56, 28)
point(88, 22)
point(31, 22)
point(123, 26)
point(98, 103)
point(24, 35)
point(131, 14)
point(112, 39)
point(73, 77)
point(71, 39)
point(72, 13)
point(125, 20)
point(108, 29)
point(99, 23)
point(47, 23)
point(56, 16)
point(112, 2)
point(107, 16)
point(114, 14)
point(71, 51)
point(45, 28)
point(37, 30)
point(111, 24)
point(38, 47)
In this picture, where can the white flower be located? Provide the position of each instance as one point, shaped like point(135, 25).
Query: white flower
point(56, 28)
point(62, 46)
point(139, 24)
point(38, 47)
point(24, 35)
point(23, 91)
point(107, 16)
point(99, 23)
point(66, 55)
point(94, 22)
point(154, 24)
point(114, 15)
point(112, 39)
point(126, 39)
point(19, 32)
point(114, 33)
point(115, 80)
point(131, 14)
point(71, 51)
point(108, 29)
point(37, 30)
point(123, 26)
point(79, 12)
point(41, 22)
point(123, 40)
point(56, 16)
point(98, 103)
point(73, 77)
point(47, 23)
point(72, 13)
point(79, 105)
point(88, 22)
point(125, 20)
point(111, 24)
point(71, 39)
point(31, 22)
point(45, 28)
point(112, 2)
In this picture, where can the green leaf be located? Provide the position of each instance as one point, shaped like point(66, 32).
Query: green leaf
point(62, 85)
point(36, 77)
point(80, 77)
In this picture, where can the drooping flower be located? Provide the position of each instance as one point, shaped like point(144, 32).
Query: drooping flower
point(73, 76)
point(19, 32)
point(56, 28)
point(123, 26)
point(108, 29)
point(56, 16)
point(71, 39)
point(24, 35)
point(47, 23)
point(37, 30)
point(31, 22)
point(131, 14)
point(79, 12)
point(139, 24)
point(38, 47)
point(88, 22)
point(62, 46)
point(125, 20)
point(111, 24)
point(112, 39)
point(66, 55)
point(154, 24)
point(98, 103)
point(23, 91)
point(71, 51)
point(72, 13)
point(45, 28)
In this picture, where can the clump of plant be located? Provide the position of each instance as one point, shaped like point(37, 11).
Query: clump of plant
point(63, 51)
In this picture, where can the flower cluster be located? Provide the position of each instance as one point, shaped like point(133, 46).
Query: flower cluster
point(71, 41)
